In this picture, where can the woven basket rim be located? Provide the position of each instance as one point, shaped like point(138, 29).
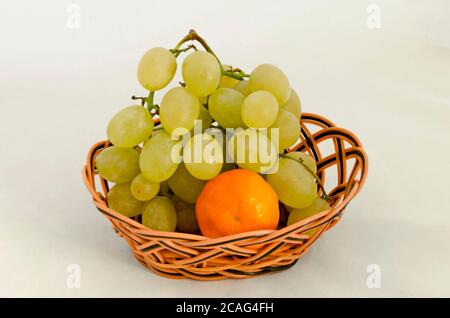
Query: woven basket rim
point(264, 235)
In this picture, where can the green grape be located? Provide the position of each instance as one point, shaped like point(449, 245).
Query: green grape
point(159, 214)
point(205, 118)
point(129, 127)
point(296, 215)
point(156, 68)
point(203, 156)
point(201, 73)
point(186, 218)
point(185, 186)
point(288, 130)
point(270, 78)
point(252, 150)
point(307, 159)
point(122, 201)
point(142, 189)
point(118, 165)
point(226, 81)
point(156, 162)
point(295, 186)
point(179, 108)
point(293, 105)
point(259, 109)
point(225, 107)
point(242, 87)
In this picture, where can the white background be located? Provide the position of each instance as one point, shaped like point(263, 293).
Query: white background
point(59, 86)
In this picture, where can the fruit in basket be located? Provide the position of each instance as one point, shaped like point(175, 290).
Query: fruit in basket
point(203, 156)
point(159, 214)
point(267, 77)
point(129, 127)
point(201, 73)
point(122, 201)
point(288, 129)
point(259, 109)
point(293, 105)
point(260, 187)
point(142, 189)
point(184, 185)
point(118, 165)
point(156, 161)
point(205, 118)
point(186, 218)
point(216, 132)
point(242, 87)
point(236, 201)
point(307, 160)
point(156, 68)
point(295, 186)
point(225, 106)
point(296, 215)
point(252, 150)
point(179, 108)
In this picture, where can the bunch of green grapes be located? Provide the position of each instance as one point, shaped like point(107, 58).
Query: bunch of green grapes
point(214, 119)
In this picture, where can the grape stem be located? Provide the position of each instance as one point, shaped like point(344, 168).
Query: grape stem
point(193, 36)
point(149, 101)
point(236, 75)
point(142, 99)
point(319, 182)
point(177, 52)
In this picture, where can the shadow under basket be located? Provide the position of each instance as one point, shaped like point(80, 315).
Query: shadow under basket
point(180, 255)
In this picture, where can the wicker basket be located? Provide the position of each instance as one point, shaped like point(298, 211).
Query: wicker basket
point(180, 255)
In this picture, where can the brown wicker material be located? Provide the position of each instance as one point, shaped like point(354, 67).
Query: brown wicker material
point(180, 255)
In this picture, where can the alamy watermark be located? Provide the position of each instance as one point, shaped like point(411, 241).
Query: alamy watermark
point(73, 20)
point(73, 279)
point(373, 280)
point(373, 20)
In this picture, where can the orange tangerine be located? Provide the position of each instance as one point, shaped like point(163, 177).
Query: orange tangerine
point(236, 201)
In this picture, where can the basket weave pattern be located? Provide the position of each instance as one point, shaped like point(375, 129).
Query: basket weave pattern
point(180, 255)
